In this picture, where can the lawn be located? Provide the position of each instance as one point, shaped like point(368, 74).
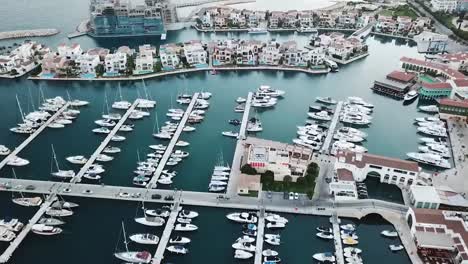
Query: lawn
point(402, 10)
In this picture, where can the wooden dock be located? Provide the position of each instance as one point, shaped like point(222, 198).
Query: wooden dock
point(159, 254)
point(335, 221)
point(175, 138)
point(260, 235)
point(36, 133)
point(104, 143)
point(245, 117)
point(331, 130)
point(5, 257)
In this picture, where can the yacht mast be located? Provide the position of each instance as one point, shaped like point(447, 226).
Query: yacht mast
point(125, 236)
point(19, 106)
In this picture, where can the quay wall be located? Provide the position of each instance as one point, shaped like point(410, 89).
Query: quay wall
point(28, 33)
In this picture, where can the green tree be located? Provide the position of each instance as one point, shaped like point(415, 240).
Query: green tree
point(267, 178)
point(99, 69)
point(157, 66)
point(247, 169)
point(130, 65)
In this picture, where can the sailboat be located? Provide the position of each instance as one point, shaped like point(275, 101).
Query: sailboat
point(25, 127)
point(122, 104)
point(109, 115)
point(161, 134)
point(132, 256)
point(63, 174)
point(26, 201)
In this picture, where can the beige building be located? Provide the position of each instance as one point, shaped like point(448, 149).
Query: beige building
point(248, 183)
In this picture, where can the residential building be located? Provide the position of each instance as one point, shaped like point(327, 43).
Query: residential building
point(306, 19)
point(282, 159)
point(270, 54)
point(396, 84)
point(144, 61)
point(247, 52)
point(442, 198)
point(53, 63)
point(87, 63)
point(194, 53)
point(276, 19)
point(385, 24)
point(290, 19)
point(453, 108)
point(429, 42)
point(460, 89)
point(418, 65)
point(388, 170)
point(69, 52)
point(440, 236)
point(115, 63)
point(168, 54)
point(444, 5)
point(404, 24)
point(458, 60)
point(435, 90)
point(101, 52)
point(315, 56)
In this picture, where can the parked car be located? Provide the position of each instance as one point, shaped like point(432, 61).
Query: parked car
point(291, 196)
point(169, 198)
point(296, 196)
point(30, 187)
point(156, 196)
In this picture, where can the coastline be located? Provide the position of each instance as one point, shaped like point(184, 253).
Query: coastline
point(45, 32)
point(183, 71)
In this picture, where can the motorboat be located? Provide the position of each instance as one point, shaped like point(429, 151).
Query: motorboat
point(184, 220)
point(145, 238)
point(179, 154)
point(181, 143)
point(126, 128)
point(319, 108)
point(95, 169)
point(324, 229)
point(350, 241)
point(249, 226)
point(433, 131)
point(158, 147)
point(240, 108)
point(388, 233)
point(4, 150)
point(430, 159)
point(359, 101)
point(216, 188)
point(117, 138)
point(101, 130)
point(23, 130)
point(269, 252)
point(345, 235)
point(163, 135)
point(265, 90)
point(78, 103)
point(80, 160)
point(104, 158)
point(111, 150)
point(54, 212)
point(429, 108)
point(355, 120)
point(352, 131)
point(105, 122)
point(348, 227)
point(112, 116)
point(234, 122)
point(245, 239)
point(436, 149)
point(326, 100)
point(63, 174)
point(395, 248)
point(240, 100)
point(347, 138)
point(325, 235)
point(275, 225)
point(222, 168)
point(121, 105)
point(257, 30)
point(12, 224)
point(409, 96)
point(46, 230)
point(185, 227)
point(343, 145)
point(150, 221)
point(50, 221)
point(188, 129)
point(322, 116)
point(271, 259)
point(178, 249)
point(17, 161)
point(28, 201)
point(165, 181)
point(242, 254)
point(230, 134)
point(276, 218)
point(188, 214)
point(179, 240)
point(427, 119)
point(243, 217)
point(244, 246)
point(6, 235)
point(55, 125)
point(273, 240)
point(64, 204)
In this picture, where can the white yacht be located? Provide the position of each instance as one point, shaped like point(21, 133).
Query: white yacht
point(12, 224)
point(359, 101)
point(244, 246)
point(395, 248)
point(179, 240)
point(78, 103)
point(126, 128)
point(46, 230)
point(325, 235)
point(17, 161)
point(50, 221)
point(59, 212)
point(4, 150)
point(28, 201)
point(112, 116)
point(347, 137)
point(348, 227)
point(163, 135)
point(181, 143)
point(132, 256)
point(410, 95)
point(104, 158)
point(188, 214)
point(352, 131)
point(150, 221)
point(121, 105)
point(242, 254)
point(388, 233)
point(243, 217)
point(245, 239)
point(427, 119)
point(185, 227)
point(230, 134)
point(188, 129)
point(145, 238)
point(111, 150)
point(178, 249)
point(240, 100)
point(265, 90)
point(55, 125)
point(158, 147)
point(430, 159)
point(326, 100)
point(165, 181)
point(117, 138)
point(429, 108)
point(343, 145)
point(275, 218)
point(101, 130)
point(77, 159)
point(435, 149)
point(275, 225)
point(324, 257)
point(272, 240)
point(322, 115)
point(105, 122)
point(433, 131)
point(269, 252)
point(6, 235)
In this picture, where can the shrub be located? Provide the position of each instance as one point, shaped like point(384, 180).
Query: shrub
point(247, 169)
point(267, 178)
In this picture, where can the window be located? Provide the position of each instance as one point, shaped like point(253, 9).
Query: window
point(419, 205)
point(375, 167)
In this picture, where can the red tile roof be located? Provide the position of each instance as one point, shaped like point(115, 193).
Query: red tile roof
point(444, 85)
point(401, 76)
point(455, 103)
point(344, 175)
point(459, 56)
point(461, 83)
point(361, 160)
point(454, 74)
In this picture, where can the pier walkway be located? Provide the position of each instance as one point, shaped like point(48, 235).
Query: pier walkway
point(260, 235)
point(32, 136)
point(166, 235)
point(175, 138)
point(335, 221)
point(104, 143)
point(5, 257)
point(331, 129)
point(245, 117)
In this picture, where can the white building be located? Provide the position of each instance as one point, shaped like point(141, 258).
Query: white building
point(270, 54)
point(115, 62)
point(343, 186)
point(444, 5)
point(195, 53)
point(424, 197)
point(389, 170)
point(315, 56)
point(69, 52)
point(87, 63)
point(168, 55)
point(144, 61)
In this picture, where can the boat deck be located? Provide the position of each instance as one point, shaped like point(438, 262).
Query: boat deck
point(335, 221)
point(170, 147)
point(332, 128)
point(260, 235)
point(245, 117)
point(31, 137)
point(159, 254)
point(104, 143)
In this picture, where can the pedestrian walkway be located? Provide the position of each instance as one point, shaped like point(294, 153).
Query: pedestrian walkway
point(331, 129)
point(159, 255)
point(335, 221)
point(260, 235)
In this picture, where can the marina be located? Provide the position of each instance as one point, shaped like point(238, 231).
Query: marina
point(161, 248)
point(260, 236)
point(332, 128)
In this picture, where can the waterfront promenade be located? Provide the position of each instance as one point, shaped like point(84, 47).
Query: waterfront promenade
point(335, 221)
point(36, 133)
point(104, 143)
point(170, 147)
point(331, 129)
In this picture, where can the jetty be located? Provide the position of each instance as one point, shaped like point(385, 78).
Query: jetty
point(260, 235)
point(6, 255)
point(104, 143)
point(245, 117)
point(332, 128)
point(31, 137)
point(43, 32)
point(335, 221)
point(166, 235)
point(175, 138)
